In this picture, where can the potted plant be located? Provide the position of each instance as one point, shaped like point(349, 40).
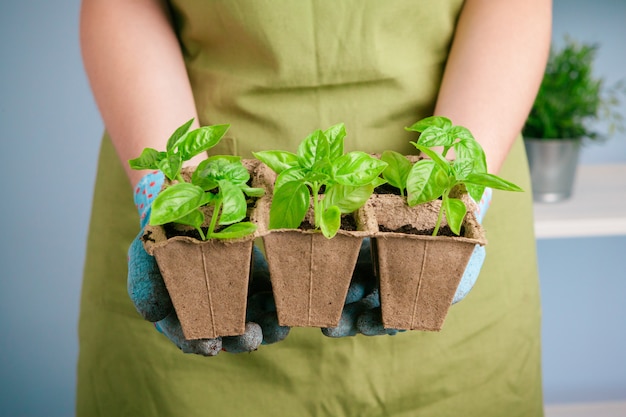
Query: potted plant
point(569, 101)
point(311, 256)
point(428, 230)
point(198, 218)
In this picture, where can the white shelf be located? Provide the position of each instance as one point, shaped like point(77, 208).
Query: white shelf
point(609, 409)
point(597, 206)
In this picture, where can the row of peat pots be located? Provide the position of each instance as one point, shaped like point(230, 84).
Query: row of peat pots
point(310, 275)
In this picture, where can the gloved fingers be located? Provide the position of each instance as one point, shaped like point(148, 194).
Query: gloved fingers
point(145, 284)
point(273, 332)
point(247, 342)
point(356, 291)
point(365, 253)
point(370, 323)
point(347, 325)
point(372, 300)
point(170, 327)
point(363, 278)
point(259, 304)
point(347, 322)
point(472, 270)
point(483, 204)
point(259, 261)
point(260, 279)
point(146, 191)
point(261, 309)
point(475, 263)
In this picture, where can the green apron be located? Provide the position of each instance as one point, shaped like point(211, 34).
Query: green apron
point(276, 71)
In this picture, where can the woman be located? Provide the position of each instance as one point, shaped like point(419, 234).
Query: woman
point(276, 71)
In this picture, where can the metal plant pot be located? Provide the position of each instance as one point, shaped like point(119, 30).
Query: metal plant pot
point(552, 165)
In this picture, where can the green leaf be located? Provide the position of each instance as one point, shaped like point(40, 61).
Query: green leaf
point(435, 136)
point(234, 205)
point(357, 168)
point(149, 159)
point(289, 205)
point(436, 157)
point(235, 231)
point(289, 175)
point(278, 161)
point(460, 132)
point(346, 197)
point(175, 202)
point(203, 176)
point(330, 221)
point(462, 169)
point(236, 173)
point(455, 213)
point(493, 181)
point(220, 167)
point(426, 182)
point(253, 192)
point(378, 181)
point(171, 166)
point(321, 172)
point(470, 150)
point(397, 170)
point(194, 218)
point(312, 149)
point(437, 121)
point(178, 134)
point(475, 191)
point(200, 140)
point(209, 198)
point(335, 135)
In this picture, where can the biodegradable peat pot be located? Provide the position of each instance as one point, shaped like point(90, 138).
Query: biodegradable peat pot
point(206, 280)
point(418, 274)
point(311, 274)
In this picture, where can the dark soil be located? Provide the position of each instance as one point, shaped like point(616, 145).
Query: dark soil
point(348, 223)
point(171, 230)
point(386, 189)
point(410, 230)
point(147, 237)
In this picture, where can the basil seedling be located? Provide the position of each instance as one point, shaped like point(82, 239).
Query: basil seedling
point(433, 178)
point(219, 181)
point(347, 180)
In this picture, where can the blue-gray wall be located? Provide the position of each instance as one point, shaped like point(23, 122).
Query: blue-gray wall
point(583, 281)
point(604, 22)
point(47, 114)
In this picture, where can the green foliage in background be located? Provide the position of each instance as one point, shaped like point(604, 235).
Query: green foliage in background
point(571, 98)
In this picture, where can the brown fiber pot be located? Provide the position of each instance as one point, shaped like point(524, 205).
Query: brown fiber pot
point(419, 274)
point(311, 274)
point(207, 281)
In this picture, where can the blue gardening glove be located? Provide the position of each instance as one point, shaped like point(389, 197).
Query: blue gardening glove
point(261, 308)
point(146, 287)
point(475, 263)
point(361, 313)
point(148, 293)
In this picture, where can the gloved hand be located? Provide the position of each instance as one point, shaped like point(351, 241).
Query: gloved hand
point(261, 308)
point(362, 313)
point(475, 263)
point(148, 293)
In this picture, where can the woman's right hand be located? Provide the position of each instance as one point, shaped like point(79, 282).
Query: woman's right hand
point(149, 294)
